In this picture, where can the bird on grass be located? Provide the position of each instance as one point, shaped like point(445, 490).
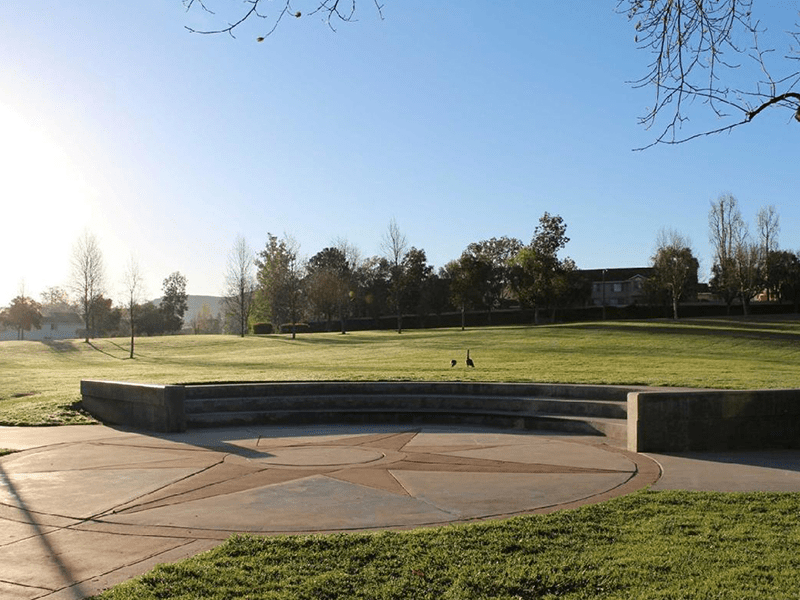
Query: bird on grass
point(453, 363)
point(470, 363)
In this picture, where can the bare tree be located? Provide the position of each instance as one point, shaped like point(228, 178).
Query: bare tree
point(393, 246)
point(748, 268)
point(768, 229)
point(239, 284)
point(697, 50)
point(353, 260)
point(133, 286)
point(703, 54)
point(88, 277)
point(726, 229)
point(332, 12)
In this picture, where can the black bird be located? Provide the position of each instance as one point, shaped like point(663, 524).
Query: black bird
point(453, 363)
point(469, 360)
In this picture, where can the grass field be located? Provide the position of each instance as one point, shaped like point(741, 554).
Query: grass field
point(39, 382)
point(664, 545)
point(660, 545)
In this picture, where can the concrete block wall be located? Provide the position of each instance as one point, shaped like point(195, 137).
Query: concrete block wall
point(681, 421)
point(157, 408)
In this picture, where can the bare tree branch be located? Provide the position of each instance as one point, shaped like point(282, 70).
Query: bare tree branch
point(332, 12)
point(697, 46)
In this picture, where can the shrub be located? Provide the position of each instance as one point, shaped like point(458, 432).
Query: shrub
point(299, 328)
point(262, 328)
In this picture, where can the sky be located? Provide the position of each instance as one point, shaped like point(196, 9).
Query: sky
point(461, 124)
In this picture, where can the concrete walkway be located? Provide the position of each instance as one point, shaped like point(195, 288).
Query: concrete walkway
point(83, 508)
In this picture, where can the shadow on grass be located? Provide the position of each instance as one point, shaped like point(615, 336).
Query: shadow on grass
point(101, 351)
point(725, 329)
point(61, 345)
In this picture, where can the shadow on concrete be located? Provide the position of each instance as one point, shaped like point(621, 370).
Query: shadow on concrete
point(783, 460)
point(72, 587)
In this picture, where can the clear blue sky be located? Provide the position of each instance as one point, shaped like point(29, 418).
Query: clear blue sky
point(461, 123)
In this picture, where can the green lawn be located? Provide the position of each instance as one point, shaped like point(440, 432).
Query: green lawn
point(646, 545)
point(39, 382)
point(665, 545)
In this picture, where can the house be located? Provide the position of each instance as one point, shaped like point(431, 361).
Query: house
point(617, 287)
point(56, 325)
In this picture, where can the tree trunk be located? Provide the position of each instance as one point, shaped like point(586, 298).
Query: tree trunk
point(745, 306)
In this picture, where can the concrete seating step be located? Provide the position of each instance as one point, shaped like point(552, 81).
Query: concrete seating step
point(428, 402)
point(609, 427)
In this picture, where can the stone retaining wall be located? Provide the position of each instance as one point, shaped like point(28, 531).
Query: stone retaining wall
point(680, 421)
point(657, 421)
point(142, 406)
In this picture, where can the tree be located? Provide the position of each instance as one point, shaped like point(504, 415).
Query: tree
point(696, 48)
point(150, 319)
point(768, 228)
point(416, 275)
point(106, 317)
point(88, 277)
point(280, 282)
point(570, 287)
point(239, 284)
point(783, 275)
point(394, 246)
point(23, 314)
point(174, 302)
point(55, 297)
point(726, 230)
point(372, 287)
point(492, 258)
point(328, 277)
point(133, 282)
point(535, 269)
point(466, 275)
point(674, 267)
point(748, 269)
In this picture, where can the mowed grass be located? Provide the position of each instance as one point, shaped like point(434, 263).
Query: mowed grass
point(646, 545)
point(40, 382)
point(665, 545)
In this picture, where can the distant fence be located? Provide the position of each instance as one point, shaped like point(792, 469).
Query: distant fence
point(517, 316)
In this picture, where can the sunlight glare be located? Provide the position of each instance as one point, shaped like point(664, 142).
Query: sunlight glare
point(45, 205)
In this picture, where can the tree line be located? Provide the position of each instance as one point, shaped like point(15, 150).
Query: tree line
point(87, 294)
point(275, 289)
point(745, 265)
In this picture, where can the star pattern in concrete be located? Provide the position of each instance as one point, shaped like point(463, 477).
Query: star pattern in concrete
point(93, 508)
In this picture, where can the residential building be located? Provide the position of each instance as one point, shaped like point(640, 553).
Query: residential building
point(617, 287)
point(56, 325)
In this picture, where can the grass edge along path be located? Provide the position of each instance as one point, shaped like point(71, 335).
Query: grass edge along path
point(689, 545)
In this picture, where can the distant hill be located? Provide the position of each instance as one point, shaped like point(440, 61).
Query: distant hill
point(195, 304)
